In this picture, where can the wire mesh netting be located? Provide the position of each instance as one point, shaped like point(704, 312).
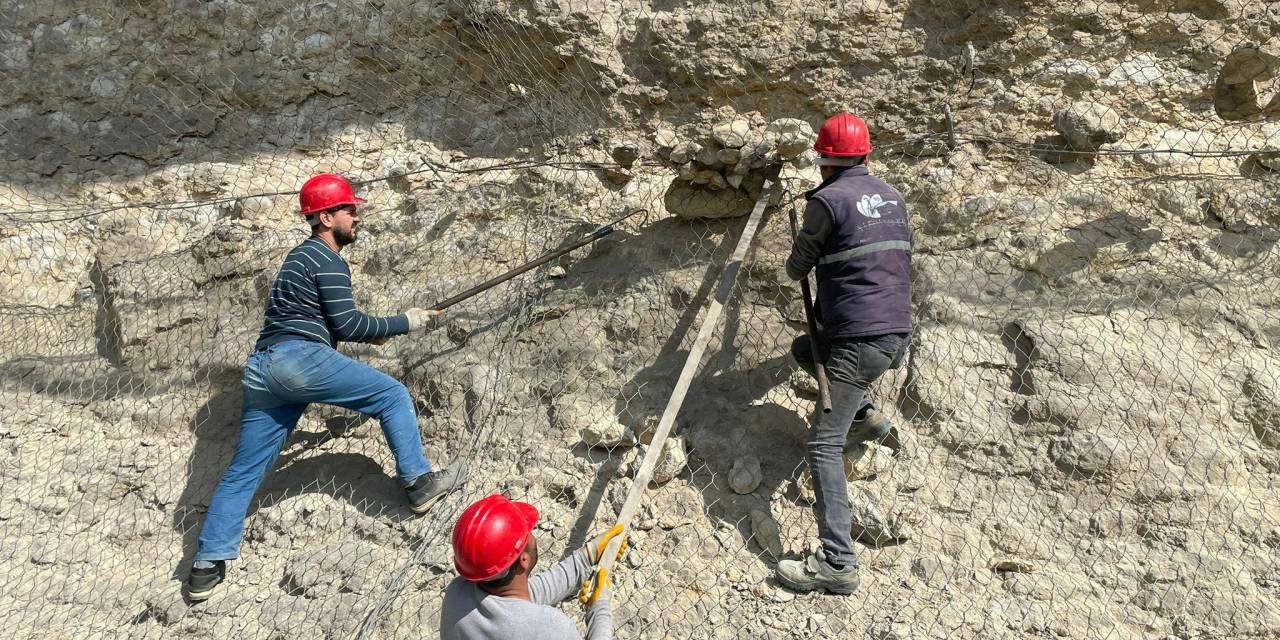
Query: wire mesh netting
point(1086, 429)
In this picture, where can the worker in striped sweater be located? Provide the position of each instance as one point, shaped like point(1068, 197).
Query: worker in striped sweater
point(295, 363)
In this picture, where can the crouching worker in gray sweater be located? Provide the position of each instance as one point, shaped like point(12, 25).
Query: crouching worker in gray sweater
point(496, 597)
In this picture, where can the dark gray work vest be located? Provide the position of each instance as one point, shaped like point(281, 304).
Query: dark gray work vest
point(864, 274)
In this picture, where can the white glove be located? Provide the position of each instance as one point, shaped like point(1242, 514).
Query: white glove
point(422, 319)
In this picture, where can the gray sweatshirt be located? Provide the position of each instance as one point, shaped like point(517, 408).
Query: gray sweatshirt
point(471, 613)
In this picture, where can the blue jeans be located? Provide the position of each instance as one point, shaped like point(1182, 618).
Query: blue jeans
point(279, 382)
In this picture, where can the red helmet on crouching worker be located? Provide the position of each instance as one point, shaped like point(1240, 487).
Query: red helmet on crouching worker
point(843, 135)
point(490, 535)
point(325, 192)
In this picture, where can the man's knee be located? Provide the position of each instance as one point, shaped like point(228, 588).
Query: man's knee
point(802, 354)
point(801, 350)
point(824, 441)
point(397, 396)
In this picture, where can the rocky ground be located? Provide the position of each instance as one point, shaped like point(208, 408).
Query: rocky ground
point(1088, 425)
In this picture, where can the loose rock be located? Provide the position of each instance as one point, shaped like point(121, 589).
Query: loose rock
point(867, 460)
point(745, 475)
point(671, 464)
point(1089, 125)
point(803, 383)
point(1016, 565)
point(625, 153)
point(766, 533)
point(732, 134)
point(607, 434)
point(1072, 74)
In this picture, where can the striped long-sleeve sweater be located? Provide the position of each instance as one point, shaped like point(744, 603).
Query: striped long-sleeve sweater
point(311, 300)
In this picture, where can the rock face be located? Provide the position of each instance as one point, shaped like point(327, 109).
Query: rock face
point(1245, 86)
point(1262, 398)
point(1090, 454)
point(340, 568)
point(1085, 440)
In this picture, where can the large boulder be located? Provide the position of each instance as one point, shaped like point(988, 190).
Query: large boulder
point(687, 199)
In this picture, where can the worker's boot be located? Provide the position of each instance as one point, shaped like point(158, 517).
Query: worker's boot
point(872, 427)
point(201, 582)
point(813, 572)
point(429, 487)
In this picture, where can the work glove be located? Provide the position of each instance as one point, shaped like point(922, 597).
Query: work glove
point(595, 548)
point(598, 586)
point(422, 319)
point(596, 589)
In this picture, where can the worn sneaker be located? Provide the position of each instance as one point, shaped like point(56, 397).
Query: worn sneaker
point(201, 582)
point(873, 426)
point(433, 485)
point(813, 573)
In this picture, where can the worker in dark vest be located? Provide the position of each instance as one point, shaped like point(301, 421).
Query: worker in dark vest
point(857, 236)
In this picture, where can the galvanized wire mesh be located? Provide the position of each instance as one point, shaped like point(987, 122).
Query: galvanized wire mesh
point(1086, 430)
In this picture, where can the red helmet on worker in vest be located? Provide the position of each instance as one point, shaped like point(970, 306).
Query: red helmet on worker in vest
point(325, 192)
point(490, 535)
point(843, 135)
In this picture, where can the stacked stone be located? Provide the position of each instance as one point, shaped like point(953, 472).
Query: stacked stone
point(719, 174)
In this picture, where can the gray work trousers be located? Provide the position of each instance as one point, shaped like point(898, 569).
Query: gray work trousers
point(852, 365)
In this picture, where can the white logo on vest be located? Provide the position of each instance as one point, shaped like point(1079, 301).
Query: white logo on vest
point(870, 205)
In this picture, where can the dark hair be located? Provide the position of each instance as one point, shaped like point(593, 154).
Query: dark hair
point(857, 160)
point(504, 579)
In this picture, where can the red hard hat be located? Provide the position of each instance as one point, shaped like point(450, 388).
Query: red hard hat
point(326, 191)
point(490, 535)
point(843, 135)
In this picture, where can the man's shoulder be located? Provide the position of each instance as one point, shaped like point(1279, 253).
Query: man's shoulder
point(310, 249)
point(855, 189)
point(817, 204)
point(459, 587)
point(462, 600)
point(460, 597)
point(872, 182)
point(318, 257)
